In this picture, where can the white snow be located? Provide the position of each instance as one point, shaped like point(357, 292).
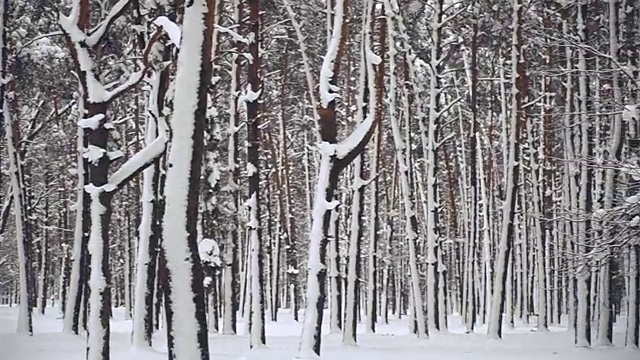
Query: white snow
point(315, 264)
point(185, 327)
point(97, 281)
point(95, 36)
point(250, 95)
point(209, 252)
point(631, 112)
point(251, 169)
point(92, 122)
point(392, 341)
point(633, 199)
point(327, 91)
point(171, 28)
point(94, 153)
point(14, 171)
point(143, 259)
point(234, 35)
point(77, 232)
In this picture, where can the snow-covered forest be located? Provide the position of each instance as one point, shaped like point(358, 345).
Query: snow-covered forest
point(335, 179)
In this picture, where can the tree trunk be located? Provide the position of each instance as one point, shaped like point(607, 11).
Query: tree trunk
point(231, 249)
point(432, 233)
point(583, 273)
point(519, 93)
point(44, 261)
point(25, 325)
point(183, 280)
point(149, 229)
point(402, 152)
point(257, 332)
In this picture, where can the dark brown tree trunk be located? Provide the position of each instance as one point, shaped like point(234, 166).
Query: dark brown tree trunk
point(257, 331)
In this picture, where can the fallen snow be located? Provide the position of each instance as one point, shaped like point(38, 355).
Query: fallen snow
point(392, 341)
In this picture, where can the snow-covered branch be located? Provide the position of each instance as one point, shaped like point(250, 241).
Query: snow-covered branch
point(327, 90)
point(234, 35)
point(172, 29)
point(101, 31)
point(141, 160)
point(297, 27)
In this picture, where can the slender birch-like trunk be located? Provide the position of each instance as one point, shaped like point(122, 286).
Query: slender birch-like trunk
point(541, 290)
point(231, 258)
point(519, 93)
point(605, 310)
point(374, 219)
point(583, 272)
point(24, 325)
point(402, 158)
point(366, 102)
point(430, 148)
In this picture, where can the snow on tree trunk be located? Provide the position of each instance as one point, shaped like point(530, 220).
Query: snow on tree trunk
point(541, 287)
point(146, 259)
point(311, 325)
point(64, 273)
point(231, 258)
point(257, 331)
point(98, 330)
point(354, 271)
point(486, 238)
point(377, 88)
point(333, 158)
point(402, 151)
point(633, 301)
point(77, 277)
point(605, 310)
point(44, 260)
point(183, 283)
point(474, 208)
point(365, 106)
point(291, 251)
point(24, 324)
point(323, 202)
point(519, 93)
point(305, 61)
point(583, 272)
point(335, 277)
point(431, 160)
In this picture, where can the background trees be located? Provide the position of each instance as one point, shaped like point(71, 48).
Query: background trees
point(501, 175)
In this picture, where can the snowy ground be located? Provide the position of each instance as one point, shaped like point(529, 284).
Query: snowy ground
point(393, 341)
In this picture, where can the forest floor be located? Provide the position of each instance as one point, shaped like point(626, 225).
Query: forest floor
point(392, 341)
